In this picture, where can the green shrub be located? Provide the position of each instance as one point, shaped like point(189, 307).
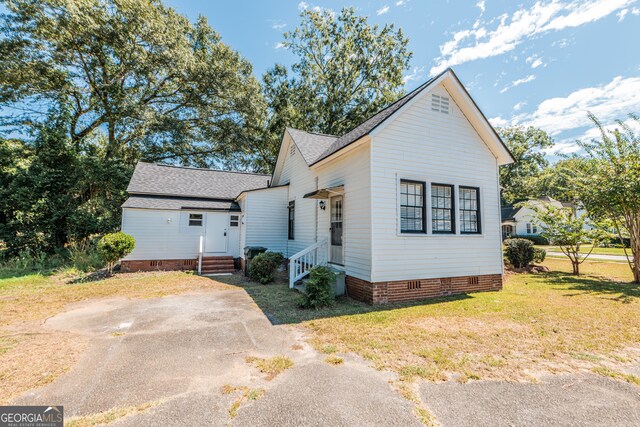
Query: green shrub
point(539, 255)
point(114, 246)
point(319, 288)
point(519, 252)
point(264, 266)
point(537, 240)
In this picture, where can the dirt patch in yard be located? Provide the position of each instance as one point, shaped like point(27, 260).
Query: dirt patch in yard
point(31, 356)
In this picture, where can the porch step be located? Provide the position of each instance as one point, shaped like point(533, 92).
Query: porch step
point(217, 265)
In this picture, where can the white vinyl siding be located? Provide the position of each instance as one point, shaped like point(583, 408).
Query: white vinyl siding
point(352, 170)
point(166, 234)
point(426, 145)
point(265, 219)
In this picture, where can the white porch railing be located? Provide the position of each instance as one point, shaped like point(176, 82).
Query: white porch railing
point(200, 250)
point(306, 259)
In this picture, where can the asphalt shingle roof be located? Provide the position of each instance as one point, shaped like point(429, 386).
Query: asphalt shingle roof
point(311, 145)
point(508, 212)
point(151, 178)
point(177, 203)
point(315, 147)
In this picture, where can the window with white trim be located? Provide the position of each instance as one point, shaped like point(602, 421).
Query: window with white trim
point(469, 202)
point(234, 220)
point(412, 207)
point(195, 220)
point(442, 209)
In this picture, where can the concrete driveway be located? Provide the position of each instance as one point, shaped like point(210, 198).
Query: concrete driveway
point(178, 352)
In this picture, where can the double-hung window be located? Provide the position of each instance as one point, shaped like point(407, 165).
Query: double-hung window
point(412, 207)
point(442, 213)
point(292, 224)
point(469, 201)
point(195, 220)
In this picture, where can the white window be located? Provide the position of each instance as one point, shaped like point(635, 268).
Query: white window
point(442, 216)
point(412, 207)
point(233, 222)
point(469, 200)
point(535, 229)
point(195, 220)
point(528, 228)
point(440, 103)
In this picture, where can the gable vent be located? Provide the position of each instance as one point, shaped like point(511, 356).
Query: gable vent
point(292, 150)
point(440, 103)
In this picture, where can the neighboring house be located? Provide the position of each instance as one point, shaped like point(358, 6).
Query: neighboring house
point(519, 220)
point(406, 204)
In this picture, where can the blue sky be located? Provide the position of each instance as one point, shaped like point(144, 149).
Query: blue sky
point(543, 63)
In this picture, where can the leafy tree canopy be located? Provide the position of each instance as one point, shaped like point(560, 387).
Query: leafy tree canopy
point(345, 71)
point(158, 86)
point(519, 179)
point(611, 187)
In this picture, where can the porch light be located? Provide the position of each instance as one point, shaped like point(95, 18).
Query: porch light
point(322, 205)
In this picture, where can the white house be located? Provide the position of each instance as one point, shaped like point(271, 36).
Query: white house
point(406, 203)
point(520, 220)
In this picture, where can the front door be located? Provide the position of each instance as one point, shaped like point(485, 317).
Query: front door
point(215, 238)
point(337, 252)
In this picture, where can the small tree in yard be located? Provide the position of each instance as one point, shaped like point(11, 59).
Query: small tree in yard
point(112, 247)
point(567, 230)
point(611, 188)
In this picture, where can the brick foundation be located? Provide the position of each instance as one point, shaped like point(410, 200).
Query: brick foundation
point(412, 290)
point(159, 264)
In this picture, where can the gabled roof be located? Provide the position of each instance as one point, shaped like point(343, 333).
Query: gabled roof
point(167, 180)
point(508, 212)
point(311, 144)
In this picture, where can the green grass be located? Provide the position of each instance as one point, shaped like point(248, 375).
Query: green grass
point(551, 322)
point(586, 249)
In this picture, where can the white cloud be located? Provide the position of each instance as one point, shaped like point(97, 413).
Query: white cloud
point(519, 105)
point(401, 2)
point(384, 9)
point(279, 45)
point(481, 6)
point(415, 74)
point(622, 14)
point(635, 11)
point(570, 145)
point(278, 26)
point(610, 101)
point(518, 82)
point(303, 5)
point(482, 41)
point(534, 61)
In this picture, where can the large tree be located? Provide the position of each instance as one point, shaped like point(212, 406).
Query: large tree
point(159, 86)
point(518, 180)
point(611, 186)
point(345, 70)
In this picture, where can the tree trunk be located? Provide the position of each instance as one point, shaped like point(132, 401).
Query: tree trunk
point(111, 145)
point(576, 267)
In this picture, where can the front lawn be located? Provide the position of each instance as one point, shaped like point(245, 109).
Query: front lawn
point(586, 248)
point(550, 322)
